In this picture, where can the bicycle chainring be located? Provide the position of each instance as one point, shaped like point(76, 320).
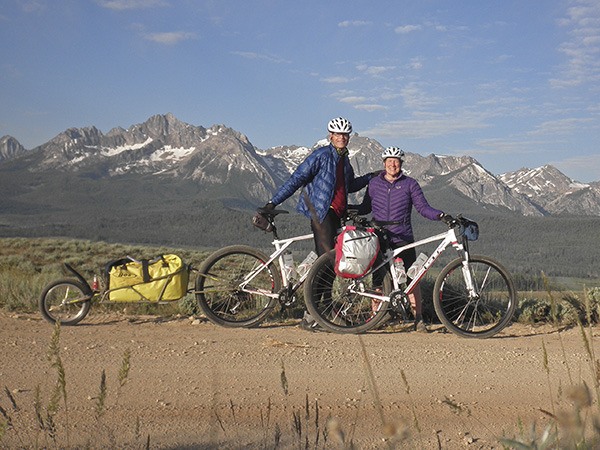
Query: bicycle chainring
point(286, 298)
point(400, 304)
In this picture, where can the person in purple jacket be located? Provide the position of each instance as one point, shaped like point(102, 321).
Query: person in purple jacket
point(390, 197)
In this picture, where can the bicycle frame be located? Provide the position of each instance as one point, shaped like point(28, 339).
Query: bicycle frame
point(281, 245)
point(449, 238)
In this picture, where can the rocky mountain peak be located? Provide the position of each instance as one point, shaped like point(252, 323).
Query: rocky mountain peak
point(10, 148)
point(224, 161)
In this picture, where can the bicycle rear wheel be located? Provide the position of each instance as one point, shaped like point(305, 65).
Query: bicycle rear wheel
point(329, 300)
point(66, 301)
point(483, 314)
point(218, 290)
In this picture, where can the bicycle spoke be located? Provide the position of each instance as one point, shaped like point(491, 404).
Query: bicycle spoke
point(64, 301)
point(235, 288)
point(336, 302)
point(483, 314)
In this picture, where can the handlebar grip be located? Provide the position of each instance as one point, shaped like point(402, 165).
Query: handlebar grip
point(448, 220)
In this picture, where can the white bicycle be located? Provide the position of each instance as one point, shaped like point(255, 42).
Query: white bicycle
point(239, 286)
point(473, 296)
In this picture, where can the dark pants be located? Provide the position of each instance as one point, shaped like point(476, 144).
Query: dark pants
point(324, 235)
point(325, 232)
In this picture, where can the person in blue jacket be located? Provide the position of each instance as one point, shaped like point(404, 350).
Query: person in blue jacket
point(390, 197)
point(326, 177)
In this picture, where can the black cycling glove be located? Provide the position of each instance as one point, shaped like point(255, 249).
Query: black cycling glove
point(446, 218)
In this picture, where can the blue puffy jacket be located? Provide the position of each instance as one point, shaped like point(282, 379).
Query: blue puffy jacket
point(393, 202)
point(317, 175)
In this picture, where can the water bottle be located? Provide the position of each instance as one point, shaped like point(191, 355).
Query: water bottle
point(414, 269)
point(400, 270)
point(288, 264)
point(95, 284)
point(306, 264)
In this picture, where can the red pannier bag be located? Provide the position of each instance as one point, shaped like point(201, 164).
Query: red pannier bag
point(355, 251)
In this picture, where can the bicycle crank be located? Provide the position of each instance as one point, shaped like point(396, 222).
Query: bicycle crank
point(400, 304)
point(286, 298)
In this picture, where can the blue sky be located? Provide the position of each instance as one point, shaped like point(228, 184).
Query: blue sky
point(512, 83)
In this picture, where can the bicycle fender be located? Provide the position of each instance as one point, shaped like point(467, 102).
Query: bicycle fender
point(80, 278)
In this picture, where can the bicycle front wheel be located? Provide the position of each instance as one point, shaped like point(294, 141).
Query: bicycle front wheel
point(66, 301)
point(483, 312)
point(219, 289)
point(330, 301)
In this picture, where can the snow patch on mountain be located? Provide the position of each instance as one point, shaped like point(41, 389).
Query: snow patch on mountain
point(108, 152)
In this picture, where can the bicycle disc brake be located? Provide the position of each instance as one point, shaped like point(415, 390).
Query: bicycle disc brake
point(400, 304)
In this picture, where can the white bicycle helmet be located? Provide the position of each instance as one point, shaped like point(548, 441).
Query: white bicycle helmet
point(339, 125)
point(393, 152)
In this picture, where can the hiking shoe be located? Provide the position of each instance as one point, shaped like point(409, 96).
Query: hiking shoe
point(420, 326)
point(308, 323)
point(308, 326)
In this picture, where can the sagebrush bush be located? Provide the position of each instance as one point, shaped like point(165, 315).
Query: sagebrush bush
point(593, 298)
point(545, 310)
point(28, 265)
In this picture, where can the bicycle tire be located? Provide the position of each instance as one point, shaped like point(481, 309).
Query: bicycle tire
point(66, 301)
point(217, 287)
point(484, 316)
point(329, 301)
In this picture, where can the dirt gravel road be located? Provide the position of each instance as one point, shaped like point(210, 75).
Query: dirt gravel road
point(192, 384)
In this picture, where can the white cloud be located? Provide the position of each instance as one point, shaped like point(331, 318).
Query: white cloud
point(353, 99)
point(560, 126)
point(169, 38)
point(416, 63)
point(505, 146)
point(426, 125)
point(33, 6)
point(370, 108)
point(260, 56)
point(335, 80)
point(415, 98)
point(122, 5)
point(374, 70)
point(582, 49)
point(354, 23)
point(389, 95)
point(586, 166)
point(405, 29)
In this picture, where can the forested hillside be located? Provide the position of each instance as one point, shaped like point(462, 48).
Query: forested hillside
point(179, 214)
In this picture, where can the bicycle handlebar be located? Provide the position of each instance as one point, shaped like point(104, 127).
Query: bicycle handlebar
point(353, 216)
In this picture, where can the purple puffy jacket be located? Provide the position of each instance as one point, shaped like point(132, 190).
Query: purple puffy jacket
point(393, 202)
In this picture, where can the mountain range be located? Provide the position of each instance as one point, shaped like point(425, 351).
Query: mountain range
point(225, 165)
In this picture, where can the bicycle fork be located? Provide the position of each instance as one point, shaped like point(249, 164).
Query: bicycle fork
point(463, 251)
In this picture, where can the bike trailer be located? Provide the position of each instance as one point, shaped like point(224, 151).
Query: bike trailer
point(355, 251)
point(164, 278)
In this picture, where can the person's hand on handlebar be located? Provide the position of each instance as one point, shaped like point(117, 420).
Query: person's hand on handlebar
point(447, 219)
point(267, 209)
